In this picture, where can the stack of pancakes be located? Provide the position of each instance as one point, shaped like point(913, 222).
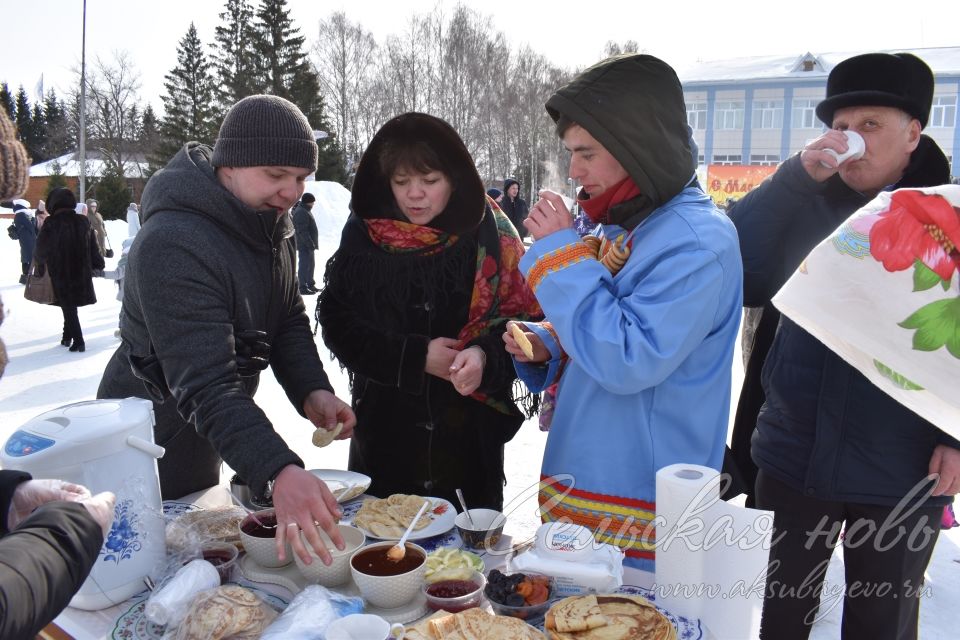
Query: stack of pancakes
point(390, 517)
point(472, 624)
point(614, 617)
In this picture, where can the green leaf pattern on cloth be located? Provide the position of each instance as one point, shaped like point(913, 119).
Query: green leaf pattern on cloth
point(896, 378)
point(937, 324)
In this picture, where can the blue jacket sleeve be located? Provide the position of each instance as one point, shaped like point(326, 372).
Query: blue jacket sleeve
point(628, 343)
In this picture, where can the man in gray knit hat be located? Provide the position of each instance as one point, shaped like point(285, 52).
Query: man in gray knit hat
point(211, 299)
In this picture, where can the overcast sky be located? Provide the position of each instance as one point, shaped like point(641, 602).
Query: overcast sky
point(44, 36)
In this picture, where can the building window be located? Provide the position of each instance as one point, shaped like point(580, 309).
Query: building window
point(764, 160)
point(728, 115)
point(805, 114)
point(768, 114)
point(944, 111)
point(727, 159)
point(697, 115)
point(700, 159)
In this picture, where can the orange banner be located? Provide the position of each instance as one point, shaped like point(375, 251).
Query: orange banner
point(734, 181)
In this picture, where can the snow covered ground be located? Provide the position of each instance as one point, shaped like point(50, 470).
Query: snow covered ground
point(43, 375)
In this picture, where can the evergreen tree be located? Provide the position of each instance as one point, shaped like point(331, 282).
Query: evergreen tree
point(235, 58)
point(58, 140)
point(39, 126)
point(331, 161)
point(289, 74)
point(7, 101)
point(23, 118)
point(149, 141)
point(57, 179)
point(112, 192)
point(189, 99)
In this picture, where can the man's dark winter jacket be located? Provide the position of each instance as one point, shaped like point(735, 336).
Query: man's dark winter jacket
point(825, 429)
point(210, 297)
point(43, 562)
point(305, 228)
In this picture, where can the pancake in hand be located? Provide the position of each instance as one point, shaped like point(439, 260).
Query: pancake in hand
point(323, 436)
point(522, 340)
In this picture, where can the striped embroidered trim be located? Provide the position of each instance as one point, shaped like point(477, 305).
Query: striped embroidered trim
point(611, 522)
point(558, 259)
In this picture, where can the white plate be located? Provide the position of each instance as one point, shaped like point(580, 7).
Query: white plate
point(442, 515)
point(344, 485)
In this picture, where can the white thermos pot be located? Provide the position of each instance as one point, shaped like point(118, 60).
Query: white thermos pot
point(106, 445)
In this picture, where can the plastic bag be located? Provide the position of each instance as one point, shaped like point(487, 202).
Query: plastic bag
point(227, 612)
point(169, 604)
point(310, 613)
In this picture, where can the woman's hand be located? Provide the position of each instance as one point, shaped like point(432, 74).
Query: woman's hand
point(466, 372)
point(440, 355)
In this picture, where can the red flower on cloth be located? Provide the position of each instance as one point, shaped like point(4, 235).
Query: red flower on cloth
point(918, 226)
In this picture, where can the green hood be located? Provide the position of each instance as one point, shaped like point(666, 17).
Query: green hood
point(633, 105)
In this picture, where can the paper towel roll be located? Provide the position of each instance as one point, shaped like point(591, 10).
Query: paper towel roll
point(711, 556)
point(169, 605)
point(684, 495)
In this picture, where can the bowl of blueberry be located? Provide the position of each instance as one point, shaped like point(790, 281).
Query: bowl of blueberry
point(521, 595)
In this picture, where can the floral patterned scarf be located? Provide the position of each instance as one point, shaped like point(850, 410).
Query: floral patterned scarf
point(499, 291)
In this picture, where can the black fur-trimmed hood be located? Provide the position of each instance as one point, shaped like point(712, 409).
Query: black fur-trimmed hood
point(372, 197)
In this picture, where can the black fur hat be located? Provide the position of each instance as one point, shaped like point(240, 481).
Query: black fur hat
point(899, 80)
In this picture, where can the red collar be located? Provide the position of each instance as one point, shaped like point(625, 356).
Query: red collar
point(597, 207)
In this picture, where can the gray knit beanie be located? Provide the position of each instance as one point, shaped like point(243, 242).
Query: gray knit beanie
point(265, 131)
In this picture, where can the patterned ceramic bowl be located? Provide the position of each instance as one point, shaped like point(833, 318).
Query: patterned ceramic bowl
point(384, 583)
point(338, 572)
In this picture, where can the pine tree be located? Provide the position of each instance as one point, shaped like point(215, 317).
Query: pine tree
point(189, 99)
point(58, 140)
point(57, 179)
point(235, 59)
point(39, 125)
point(7, 101)
point(289, 74)
point(22, 117)
point(150, 140)
point(112, 192)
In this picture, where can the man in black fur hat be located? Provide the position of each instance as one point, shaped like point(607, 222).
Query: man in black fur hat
point(835, 453)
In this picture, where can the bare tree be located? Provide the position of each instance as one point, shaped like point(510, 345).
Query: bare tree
point(343, 56)
point(113, 106)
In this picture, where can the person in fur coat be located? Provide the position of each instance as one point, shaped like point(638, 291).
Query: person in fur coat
point(68, 247)
point(414, 302)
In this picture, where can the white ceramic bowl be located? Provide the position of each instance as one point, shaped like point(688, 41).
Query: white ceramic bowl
point(338, 572)
point(389, 592)
point(263, 550)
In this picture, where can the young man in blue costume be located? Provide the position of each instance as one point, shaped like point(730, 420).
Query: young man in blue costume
point(641, 317)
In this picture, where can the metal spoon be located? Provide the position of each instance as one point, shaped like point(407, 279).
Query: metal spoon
point(463, 503)
point(250, 512)
point(397, 551)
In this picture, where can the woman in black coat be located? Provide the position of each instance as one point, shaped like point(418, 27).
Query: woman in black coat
point(68, 247)
point(414, 305)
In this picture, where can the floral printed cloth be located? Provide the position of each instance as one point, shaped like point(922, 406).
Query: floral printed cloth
point(884, 293)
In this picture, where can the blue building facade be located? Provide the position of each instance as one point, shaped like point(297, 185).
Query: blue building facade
point(761, 110)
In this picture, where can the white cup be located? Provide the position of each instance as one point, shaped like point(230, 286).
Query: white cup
point(363, 626)
point(855, 149)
